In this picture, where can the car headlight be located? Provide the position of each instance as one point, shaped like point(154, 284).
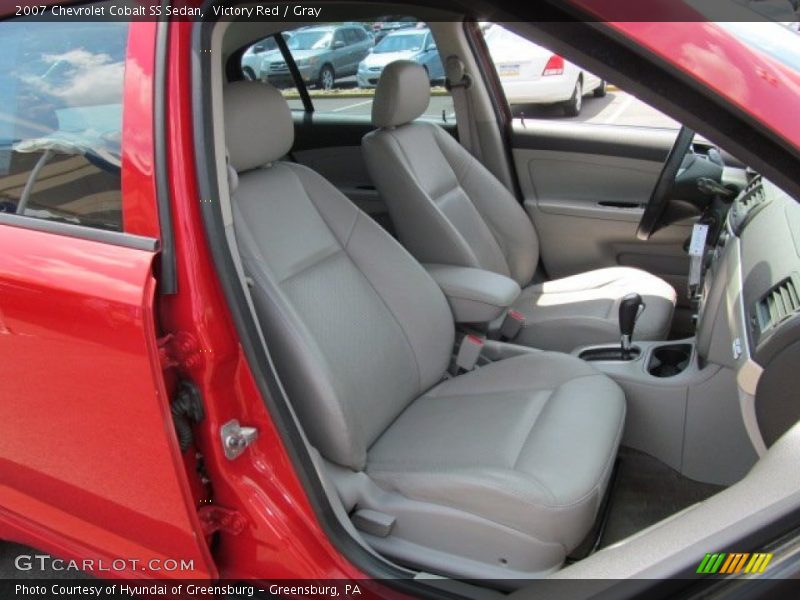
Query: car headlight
point(307, 62)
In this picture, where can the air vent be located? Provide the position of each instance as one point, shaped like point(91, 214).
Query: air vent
point(780, 303)
point(753, 193)
point(752, 200)
point(754, 182)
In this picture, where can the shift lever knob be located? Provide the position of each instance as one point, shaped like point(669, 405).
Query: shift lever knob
point(630, 308)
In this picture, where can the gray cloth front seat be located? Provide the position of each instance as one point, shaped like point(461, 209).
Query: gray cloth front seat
point(448, 208)
point(500, 470)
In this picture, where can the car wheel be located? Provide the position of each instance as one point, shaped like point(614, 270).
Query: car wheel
point(326, 78)
point(573, 106)
point(601, 90)
point(249, 74)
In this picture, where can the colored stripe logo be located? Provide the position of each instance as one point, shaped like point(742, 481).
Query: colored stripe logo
point(734, 562)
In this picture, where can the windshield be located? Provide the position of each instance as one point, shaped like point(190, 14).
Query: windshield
point(774, 39)
point(52, 86)
point(400, 43)
point(310, 40)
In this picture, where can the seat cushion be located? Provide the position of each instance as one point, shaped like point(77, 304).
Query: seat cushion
point(584, 309)
point(527, 442)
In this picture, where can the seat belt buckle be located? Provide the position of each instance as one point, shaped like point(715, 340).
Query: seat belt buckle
point(512, 325)
point(468, 353)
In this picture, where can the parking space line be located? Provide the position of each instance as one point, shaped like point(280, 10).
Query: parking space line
point(621, 109)
point(349, 106)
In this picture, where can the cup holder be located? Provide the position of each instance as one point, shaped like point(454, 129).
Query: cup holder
point(668, 361)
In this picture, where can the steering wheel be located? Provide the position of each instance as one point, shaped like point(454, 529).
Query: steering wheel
point(666, 180)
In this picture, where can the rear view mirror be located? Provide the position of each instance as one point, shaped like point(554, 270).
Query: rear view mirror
point(430, 47)
point(338, 44)
point(259, 48)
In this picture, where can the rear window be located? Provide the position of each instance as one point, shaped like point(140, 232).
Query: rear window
point(310, 40)
point(61, 121)
point(400, 42)
point(342, 80)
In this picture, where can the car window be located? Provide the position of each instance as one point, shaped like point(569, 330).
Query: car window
point(540, 84)
point(344, 82)
point(61, 121)
point(315, 39)
point(401, 42)
point(778, 40)
point(350, 36)
point(265, 45)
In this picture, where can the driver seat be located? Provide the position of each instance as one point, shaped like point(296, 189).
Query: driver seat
point(448, 208)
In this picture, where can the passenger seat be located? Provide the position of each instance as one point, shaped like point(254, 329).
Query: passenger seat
point(498, 472)
point(449, 209)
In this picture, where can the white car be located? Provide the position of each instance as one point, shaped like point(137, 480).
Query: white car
point(531, 74)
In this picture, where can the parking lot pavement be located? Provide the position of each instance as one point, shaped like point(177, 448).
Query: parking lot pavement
point(616, 108)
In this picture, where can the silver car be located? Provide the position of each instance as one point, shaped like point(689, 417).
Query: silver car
point(323, 54)
point(254, 56)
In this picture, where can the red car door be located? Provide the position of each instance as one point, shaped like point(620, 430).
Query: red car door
point(89, 460)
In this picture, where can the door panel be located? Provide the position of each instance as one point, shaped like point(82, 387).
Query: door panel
point(585, 186)
point(89, 463)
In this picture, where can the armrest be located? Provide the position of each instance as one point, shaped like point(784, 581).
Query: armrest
point(475, 295)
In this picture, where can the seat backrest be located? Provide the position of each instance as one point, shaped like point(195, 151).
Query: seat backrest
point(356, 327)
point(445, 205)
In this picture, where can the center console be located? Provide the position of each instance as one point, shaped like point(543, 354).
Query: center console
point(690, 401)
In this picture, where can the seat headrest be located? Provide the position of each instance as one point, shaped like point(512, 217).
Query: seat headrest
point(258, 124)
point(403, 94)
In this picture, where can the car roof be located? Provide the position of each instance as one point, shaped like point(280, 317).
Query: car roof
point(407, 31)
point(317, 28)
point(330, 27)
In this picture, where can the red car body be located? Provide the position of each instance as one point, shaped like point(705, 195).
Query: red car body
point(90, 466)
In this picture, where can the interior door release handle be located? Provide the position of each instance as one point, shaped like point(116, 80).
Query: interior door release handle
point(616, 204)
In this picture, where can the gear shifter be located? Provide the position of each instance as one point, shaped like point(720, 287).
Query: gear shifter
point(630, 308)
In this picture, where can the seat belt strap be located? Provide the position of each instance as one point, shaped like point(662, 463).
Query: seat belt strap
point(458, 83)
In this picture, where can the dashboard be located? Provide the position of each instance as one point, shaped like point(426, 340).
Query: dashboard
point(749, 307)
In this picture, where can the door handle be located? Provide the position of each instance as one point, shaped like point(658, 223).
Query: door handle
point(616, 204)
